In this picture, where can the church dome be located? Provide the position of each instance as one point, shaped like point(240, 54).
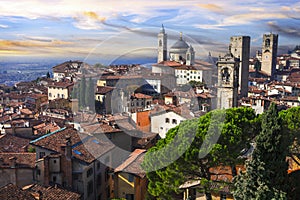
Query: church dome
point(180, 44)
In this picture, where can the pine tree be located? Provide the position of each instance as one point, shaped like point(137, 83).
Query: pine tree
point(266, 172)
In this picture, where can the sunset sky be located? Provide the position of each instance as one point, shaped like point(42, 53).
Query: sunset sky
point(103, 31)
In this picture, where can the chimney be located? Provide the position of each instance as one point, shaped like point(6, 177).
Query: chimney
point(13, 161)
point(68, 148)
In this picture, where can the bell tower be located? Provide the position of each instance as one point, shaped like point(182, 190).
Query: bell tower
point(228, 81)
point(162, 45)
point(269, 54)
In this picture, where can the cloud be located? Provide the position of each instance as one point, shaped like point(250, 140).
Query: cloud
point(212, 7)
point(3, 26)
point(284, 29)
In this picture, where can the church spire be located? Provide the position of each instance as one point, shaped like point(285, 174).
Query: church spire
point(162, 30)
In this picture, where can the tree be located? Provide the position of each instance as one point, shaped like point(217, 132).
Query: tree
point(90, 94)
point(265, 177)
point(48, 75)
point(236, 126)
point(82, 92)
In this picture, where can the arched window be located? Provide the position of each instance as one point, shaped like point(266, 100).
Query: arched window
point(188, 57)
point(160, 43)
point(267, 42)
point(225, 75)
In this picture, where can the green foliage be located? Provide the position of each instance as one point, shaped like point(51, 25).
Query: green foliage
point(90, 95)
point(179, 151)
point(194, 84)
point(266, 173)
point(31, 149)
point(48, 75)
point(82, 92)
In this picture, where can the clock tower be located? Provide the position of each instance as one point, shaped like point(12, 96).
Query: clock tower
point(269, 54)
point(228, 81)
point(162, 45)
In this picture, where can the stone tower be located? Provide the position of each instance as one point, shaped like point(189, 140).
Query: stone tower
point(269, 54)
point(162, 45)
point(240, 48)
point(190, 56)
point(228, 80)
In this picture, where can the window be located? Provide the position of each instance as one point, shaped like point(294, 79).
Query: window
point(50, 94)
point(42, 154)
point(62, 96)
point(199, 77)
point(161, 128)
point(99, 179)
point(58, 95)
point(129, 196)
point(174, 121)
point(54, 161)
point(130, 178)
point(90, 188)
point(54, 179)
point(89, 172)
point(167, 120)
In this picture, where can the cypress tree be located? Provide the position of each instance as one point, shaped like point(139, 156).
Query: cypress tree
point(266, 172)
point(82, 92)
point(90, 95)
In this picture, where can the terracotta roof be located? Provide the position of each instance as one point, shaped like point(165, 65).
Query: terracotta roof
point(91, 148)
point(168, 63)
point(11, 143)
point(133, 163)
point(12, 192)
point(54, 140)
point(121, 77)
point(84, 147)
point(104, 89)
point(23, 160)
point(51, 192)
point(61, 84)
point(141, 96)
point(26, 111)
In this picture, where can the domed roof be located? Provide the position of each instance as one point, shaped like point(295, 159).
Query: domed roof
point(180, 44)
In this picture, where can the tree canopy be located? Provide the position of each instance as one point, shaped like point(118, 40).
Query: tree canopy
point(184, 153)
point(266, 177)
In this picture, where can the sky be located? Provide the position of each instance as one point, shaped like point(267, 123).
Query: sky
point(106, 31)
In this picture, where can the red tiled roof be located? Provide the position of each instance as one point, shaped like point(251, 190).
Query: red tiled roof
point(141, 96)
point(51, 192)
point(84, 147)
point(61, 84)
point(121, 77)
point(12, 192)
point(11, 143)
point(23, 160)
point(104, 89)
point(168, 63)
point(133, 163)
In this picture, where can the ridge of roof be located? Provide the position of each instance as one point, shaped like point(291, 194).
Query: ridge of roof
point(44, 136)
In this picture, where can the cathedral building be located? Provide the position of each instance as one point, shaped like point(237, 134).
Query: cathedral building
point(180, 61)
